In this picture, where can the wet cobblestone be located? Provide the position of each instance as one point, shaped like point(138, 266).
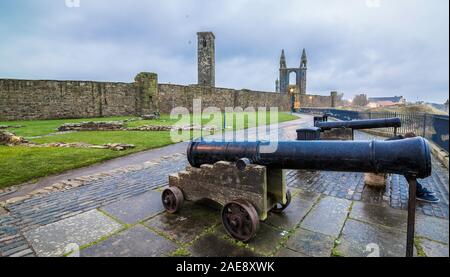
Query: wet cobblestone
point(46, 209)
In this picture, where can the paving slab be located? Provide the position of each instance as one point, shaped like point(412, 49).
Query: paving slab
point(288, 253)
point(266, 240)
point(432, 228)
point(213, 245)
point(136, 209)
point(434, 249)
point(300, 205)
point(361, 239)
point(186, 225)
point(311, 243)
point(82, 229)
point(382, 215)
point(328, 216)
point(137, 241)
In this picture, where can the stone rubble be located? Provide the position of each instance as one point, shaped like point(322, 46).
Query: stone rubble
point(7, 138)
point(10, 139)
point(92, 126)
point(153, 116)
point(193, 127)
point(111, 146)
point(119, 126)
point(10, 127)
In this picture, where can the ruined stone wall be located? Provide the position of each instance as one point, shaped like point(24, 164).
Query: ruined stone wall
point(319, 101)
point(171, 96)
point(25, 99)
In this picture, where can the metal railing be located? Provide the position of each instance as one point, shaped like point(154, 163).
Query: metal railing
point(430, 126)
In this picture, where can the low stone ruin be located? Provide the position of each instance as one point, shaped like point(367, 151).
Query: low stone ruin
point(153, 116)
point(174, 128)
point(111, 146)
point(151, 128)
point(92, 126)
point(3, 127)
point(10, 139)
point(120, 126)
point(7, 138)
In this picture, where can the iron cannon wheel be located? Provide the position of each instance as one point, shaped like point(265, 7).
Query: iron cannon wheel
point(279, 208)
point(240, 219)
point(172, 199)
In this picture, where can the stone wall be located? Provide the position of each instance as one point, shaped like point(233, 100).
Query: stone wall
point(47, 99)
point(310, 100)
point(171, 96)
point(25, 99)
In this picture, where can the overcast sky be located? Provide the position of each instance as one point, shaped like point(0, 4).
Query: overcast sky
point(378, 47)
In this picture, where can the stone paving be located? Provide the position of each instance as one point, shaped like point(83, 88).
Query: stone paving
point(120, 214)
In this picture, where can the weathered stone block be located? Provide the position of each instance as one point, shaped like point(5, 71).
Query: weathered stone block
point(375, 180)
point(337, 134)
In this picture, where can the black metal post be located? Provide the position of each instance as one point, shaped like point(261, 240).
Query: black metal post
point(412, 181)
point(424, 125)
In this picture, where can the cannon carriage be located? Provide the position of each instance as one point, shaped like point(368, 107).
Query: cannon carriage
point(248, 178)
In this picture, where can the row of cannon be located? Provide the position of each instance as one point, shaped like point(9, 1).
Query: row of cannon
point(408, 157)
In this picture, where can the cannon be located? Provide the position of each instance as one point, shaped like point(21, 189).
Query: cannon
point(329, 127)
point(360, 124)
point(240, 216)
point(344, 130)
point(409, 157)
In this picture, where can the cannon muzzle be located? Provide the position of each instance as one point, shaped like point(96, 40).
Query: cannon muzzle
point(360, 124)
point(409, 157)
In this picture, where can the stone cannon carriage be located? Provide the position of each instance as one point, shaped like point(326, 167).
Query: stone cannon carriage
point(322, 118)
point(248, 178)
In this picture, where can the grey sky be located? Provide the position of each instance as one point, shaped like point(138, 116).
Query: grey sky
point(379, 47)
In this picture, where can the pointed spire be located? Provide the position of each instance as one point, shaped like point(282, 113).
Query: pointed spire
point(282, 60)
point(304, 60)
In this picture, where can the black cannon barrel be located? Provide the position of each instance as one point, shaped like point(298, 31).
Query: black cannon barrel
point(360, 124)
point(409, 157)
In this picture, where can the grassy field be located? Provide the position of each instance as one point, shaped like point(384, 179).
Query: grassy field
point(22, 164)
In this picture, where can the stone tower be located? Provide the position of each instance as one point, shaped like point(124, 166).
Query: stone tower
point(303, 69)
point(300, 74)
point(206, 59)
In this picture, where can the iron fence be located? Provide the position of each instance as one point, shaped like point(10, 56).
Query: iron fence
point(430, 126)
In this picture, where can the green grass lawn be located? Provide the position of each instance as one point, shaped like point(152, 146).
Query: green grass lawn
point(32, 128)
point(22, 164)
